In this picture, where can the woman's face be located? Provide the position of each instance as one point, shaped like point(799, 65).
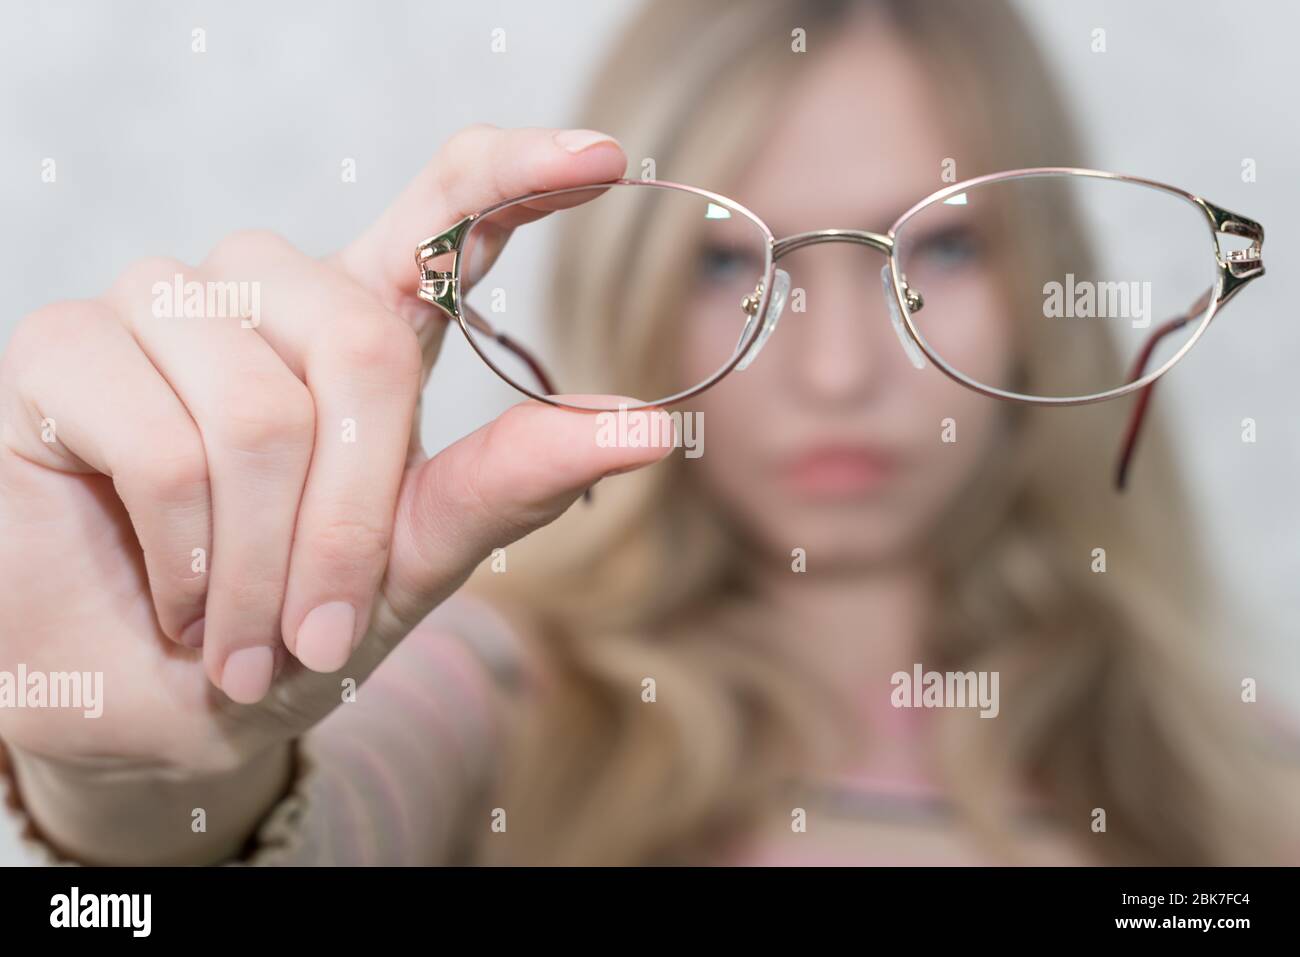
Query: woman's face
point(831, 441)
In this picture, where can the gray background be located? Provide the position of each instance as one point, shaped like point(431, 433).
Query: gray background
point(161, 151)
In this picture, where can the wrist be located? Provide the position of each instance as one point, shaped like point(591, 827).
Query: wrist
point(105, 814)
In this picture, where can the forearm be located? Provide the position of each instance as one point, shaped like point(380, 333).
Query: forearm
point(95, 815)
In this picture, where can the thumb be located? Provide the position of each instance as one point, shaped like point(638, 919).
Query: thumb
point(493, 487)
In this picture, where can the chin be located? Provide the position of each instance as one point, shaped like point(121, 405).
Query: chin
point(836, 539)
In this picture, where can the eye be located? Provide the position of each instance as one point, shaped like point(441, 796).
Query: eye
point(949, 248)
point(718, 264)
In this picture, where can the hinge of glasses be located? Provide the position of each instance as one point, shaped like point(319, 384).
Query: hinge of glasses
point(439, 286)
point(1243, 262)
point(436, 287)
point(1237, 266)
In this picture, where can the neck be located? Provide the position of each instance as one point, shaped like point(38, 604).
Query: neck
point(857, 628)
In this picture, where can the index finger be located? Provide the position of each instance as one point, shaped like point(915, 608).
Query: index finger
point(478, 167)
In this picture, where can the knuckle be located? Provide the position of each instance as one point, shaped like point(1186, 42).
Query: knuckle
point(57, 323)
point(258, 598)
point(188, 588)
point(351, 543)
point(175, 471)
point(40, 338)
point(379, 343)
point(245, 245)
point(456, 161)
point(177, 590)
point(270, 419)
point(486, 500)
point(469, 137)
point(144, 274)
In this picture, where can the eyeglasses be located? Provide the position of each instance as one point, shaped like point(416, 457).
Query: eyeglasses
point(1046, 286)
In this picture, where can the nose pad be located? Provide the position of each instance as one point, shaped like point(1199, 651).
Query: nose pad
point(775, 306)
point(914, 353)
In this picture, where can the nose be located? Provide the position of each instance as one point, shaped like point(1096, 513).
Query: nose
point(838, 352)
point(856, 238)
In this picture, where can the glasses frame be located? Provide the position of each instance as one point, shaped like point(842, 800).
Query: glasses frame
point(442, 288)
point(1236, 268)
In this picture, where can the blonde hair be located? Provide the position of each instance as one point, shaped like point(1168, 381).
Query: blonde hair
point(1106, 707)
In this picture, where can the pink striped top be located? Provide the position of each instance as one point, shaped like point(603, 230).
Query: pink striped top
point(396, 777)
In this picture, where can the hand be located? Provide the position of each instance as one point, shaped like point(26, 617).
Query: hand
point(179, 511)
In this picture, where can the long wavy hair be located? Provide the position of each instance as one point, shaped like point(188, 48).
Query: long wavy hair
point(1106, 705)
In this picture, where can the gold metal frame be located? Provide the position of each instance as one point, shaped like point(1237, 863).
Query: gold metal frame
point(442, 288)
point(1236, 268)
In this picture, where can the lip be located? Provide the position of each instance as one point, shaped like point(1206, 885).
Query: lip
point(838, 471)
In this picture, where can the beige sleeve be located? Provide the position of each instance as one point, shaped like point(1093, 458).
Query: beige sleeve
point(394, 777)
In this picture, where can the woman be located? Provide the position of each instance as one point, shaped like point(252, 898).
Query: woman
point(652, 680)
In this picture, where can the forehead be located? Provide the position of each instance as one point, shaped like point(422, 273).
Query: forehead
point(856, 138)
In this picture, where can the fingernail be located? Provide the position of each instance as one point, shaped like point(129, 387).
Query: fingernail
point(575, 141)
point(192, 636)
point(247, 676)
point(325, 636)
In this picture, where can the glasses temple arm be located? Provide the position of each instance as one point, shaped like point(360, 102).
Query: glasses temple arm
point(473, 318)
point(520, 352)
point(1138, 416)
